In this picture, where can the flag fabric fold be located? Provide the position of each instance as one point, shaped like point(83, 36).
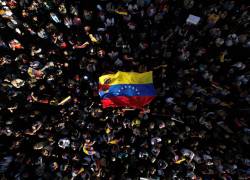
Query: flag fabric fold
point(126, 89)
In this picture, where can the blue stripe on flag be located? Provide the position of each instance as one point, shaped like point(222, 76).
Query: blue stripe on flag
point(129, 90)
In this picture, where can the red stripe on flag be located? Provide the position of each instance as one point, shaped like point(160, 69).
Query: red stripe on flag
point(127, 101)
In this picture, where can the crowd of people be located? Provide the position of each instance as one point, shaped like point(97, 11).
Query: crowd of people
point(53, 126)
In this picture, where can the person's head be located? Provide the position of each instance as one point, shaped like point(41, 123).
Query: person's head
point(87, 29)
point(45, 152)
point(25, 13)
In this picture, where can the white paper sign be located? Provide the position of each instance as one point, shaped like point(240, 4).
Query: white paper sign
point(192, 19)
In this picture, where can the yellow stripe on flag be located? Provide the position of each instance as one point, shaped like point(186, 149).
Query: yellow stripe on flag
point(127, 78)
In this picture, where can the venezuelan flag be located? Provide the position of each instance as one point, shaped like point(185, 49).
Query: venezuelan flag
point(127, 89)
